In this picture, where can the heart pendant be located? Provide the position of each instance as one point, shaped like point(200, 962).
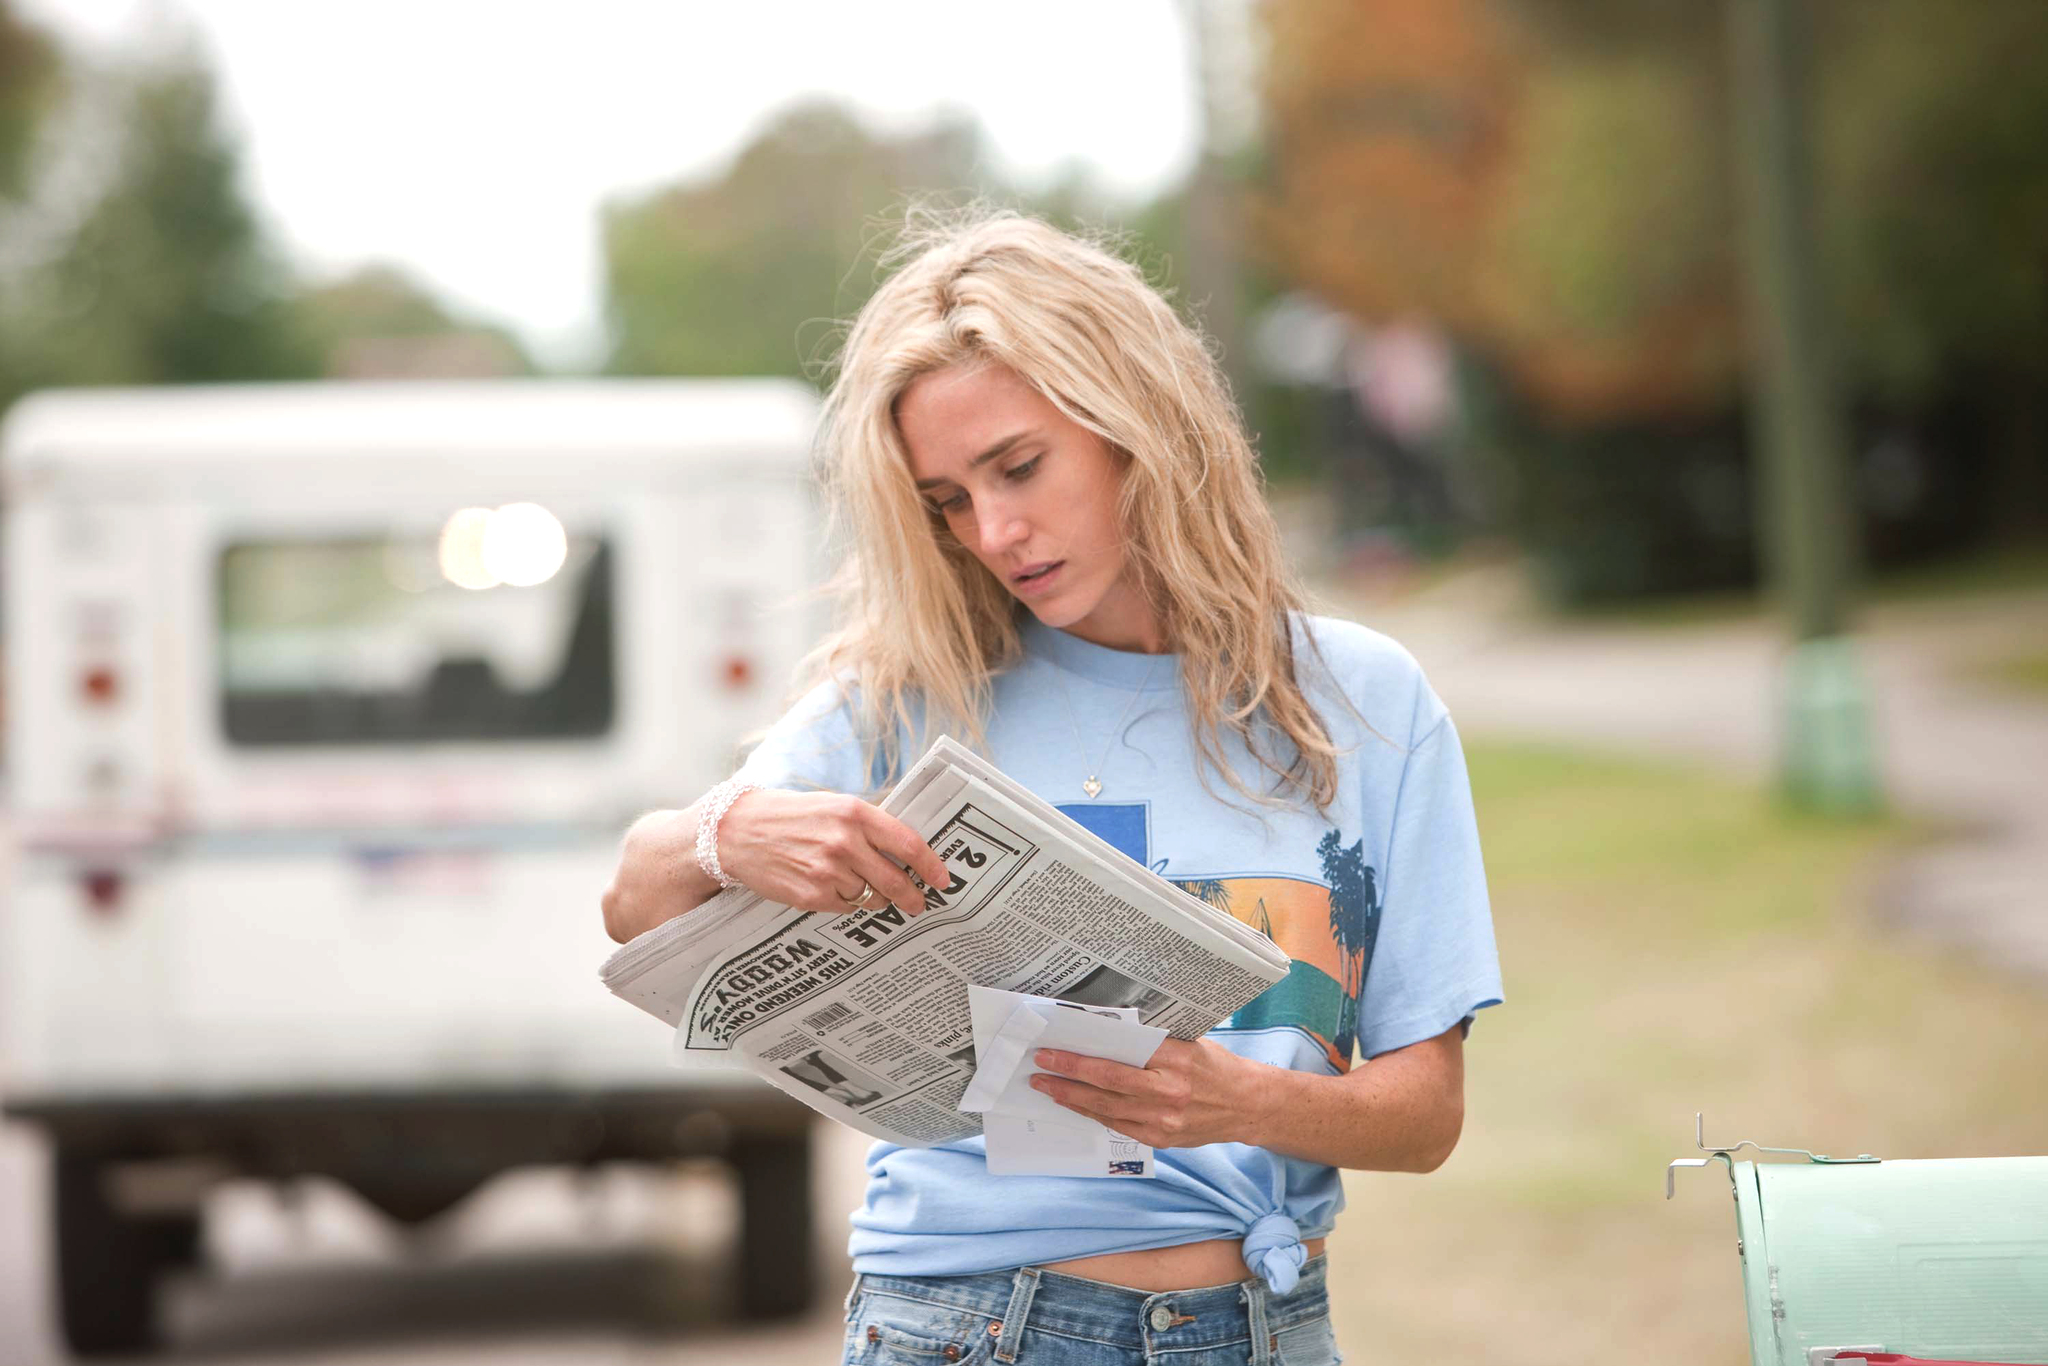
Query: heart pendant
point(1092, 787)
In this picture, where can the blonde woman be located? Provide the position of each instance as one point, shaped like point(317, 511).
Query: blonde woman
point(1060, 550)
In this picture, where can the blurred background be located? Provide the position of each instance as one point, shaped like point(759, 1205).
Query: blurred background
point(1671, 377)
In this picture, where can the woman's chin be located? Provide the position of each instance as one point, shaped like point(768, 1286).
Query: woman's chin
point(1053, 613)
point(1070, 605)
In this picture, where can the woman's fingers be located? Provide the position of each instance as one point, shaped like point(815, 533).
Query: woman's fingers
point(814, 850)
point(1143, 1117)
point(1146, 1103)
point(884, 876)
point(1109, 1076)
point(1093, 1101)
point(905, 845)
point(1107, 1121)
point(843, 898)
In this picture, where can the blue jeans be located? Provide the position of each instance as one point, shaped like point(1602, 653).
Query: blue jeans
point(1042, 1318)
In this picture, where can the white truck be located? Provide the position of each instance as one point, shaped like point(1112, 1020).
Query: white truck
point(326, 705)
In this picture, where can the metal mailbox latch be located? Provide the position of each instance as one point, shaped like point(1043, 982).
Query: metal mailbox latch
point(1725, 1156)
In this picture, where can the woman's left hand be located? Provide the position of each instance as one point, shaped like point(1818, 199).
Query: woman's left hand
point(1188, 1095)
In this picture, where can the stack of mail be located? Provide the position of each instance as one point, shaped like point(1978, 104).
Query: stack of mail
point(1028, 1132)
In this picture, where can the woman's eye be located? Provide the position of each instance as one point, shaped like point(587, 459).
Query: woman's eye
point(957, 501)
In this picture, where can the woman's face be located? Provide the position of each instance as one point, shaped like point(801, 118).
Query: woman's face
point(1032, 494)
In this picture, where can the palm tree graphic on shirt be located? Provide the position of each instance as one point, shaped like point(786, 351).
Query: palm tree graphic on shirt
point(1354, 904)
point(1328, 929)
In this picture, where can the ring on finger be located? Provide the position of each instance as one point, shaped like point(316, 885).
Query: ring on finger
point(860, 900)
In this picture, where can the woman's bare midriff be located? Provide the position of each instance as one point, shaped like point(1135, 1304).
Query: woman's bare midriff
point(1187, 1266)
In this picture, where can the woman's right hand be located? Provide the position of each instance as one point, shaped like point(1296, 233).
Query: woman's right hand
point(815, 850)
point(804, 849)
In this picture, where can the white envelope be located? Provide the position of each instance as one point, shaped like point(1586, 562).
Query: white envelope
point(1027, 1132)
point(1021, 1146)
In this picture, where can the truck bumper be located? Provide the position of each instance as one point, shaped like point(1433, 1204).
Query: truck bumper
point(337, 1132)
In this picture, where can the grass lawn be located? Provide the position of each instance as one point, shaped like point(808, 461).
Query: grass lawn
point(2025, 672)
point(1671, 942)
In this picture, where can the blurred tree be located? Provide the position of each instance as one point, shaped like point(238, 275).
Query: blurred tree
point(1552, 181)
point(744, 273)
point(377, 322)
point(751, 271)
point(374, 301)
point(1450, 160)
point(29, 81)
point(1390, 126)
point(1934, 188)
point(159, 274)
point(133, 257)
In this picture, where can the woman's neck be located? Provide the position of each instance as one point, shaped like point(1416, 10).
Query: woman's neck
point(1150, 641)
point(1122, 621)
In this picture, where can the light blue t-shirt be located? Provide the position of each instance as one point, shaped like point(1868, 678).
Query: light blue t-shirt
point(1380, 901)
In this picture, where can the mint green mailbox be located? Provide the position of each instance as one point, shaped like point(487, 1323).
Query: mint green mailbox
point(1890, 1262)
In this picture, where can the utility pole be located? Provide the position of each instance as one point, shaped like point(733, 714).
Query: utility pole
point(1826, 756)
point(1218, 32)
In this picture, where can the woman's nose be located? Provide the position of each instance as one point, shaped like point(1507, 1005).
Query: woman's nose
point(1001, 529)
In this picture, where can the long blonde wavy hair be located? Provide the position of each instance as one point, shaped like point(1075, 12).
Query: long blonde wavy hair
point(921, 621)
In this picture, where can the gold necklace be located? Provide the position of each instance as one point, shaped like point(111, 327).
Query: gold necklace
point(1092, 785)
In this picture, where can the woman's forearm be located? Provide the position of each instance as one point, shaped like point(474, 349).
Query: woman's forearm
point(1401, 1111)
point(658, 876)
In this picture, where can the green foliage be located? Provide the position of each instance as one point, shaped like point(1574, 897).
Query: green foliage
point(1620, 25)
point(1615, 215)
point(379, 304)
point(1931, 189)
point(744, 274)
point(375, 301)
point(753, 272)
point(2024, 672)
point(1934, 174)
point(29, 82)
point(143, 262)
point(1609, 289)
point(165, 277)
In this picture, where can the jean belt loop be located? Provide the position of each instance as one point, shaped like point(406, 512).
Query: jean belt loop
point(852, 1294)
point(1255, 1316)
point(1021, 1293)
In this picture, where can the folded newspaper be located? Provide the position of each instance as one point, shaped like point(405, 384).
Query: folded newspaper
point(864, 1016)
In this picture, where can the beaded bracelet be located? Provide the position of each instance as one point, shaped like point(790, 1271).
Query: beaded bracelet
point(711, 810)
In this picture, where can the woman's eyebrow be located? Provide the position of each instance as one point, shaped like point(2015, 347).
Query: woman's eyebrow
point(991, 453)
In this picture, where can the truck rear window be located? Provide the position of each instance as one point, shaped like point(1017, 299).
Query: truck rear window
point(365, 642)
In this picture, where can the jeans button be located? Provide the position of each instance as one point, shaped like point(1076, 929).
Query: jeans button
point(1162, 1319)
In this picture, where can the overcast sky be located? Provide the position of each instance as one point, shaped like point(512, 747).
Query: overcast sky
point(472, 141)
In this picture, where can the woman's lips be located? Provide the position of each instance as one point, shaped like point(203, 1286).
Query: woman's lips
point(1042, 582)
